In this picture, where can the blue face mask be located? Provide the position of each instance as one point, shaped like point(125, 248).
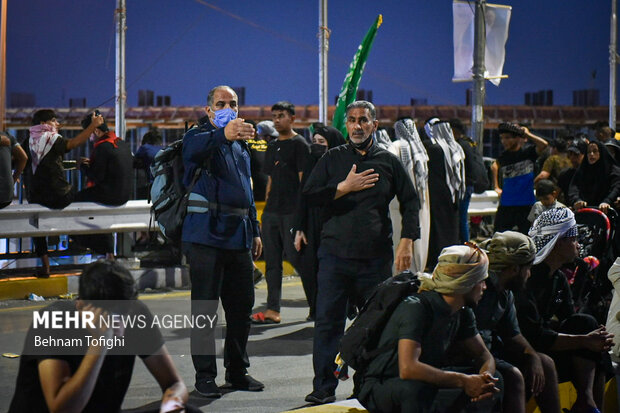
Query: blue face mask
point(223, 116)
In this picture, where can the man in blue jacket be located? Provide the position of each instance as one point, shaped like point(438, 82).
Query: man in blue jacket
point(220, 237)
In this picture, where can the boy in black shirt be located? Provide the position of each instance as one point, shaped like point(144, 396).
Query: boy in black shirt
point(284, 163)
point(516, 167)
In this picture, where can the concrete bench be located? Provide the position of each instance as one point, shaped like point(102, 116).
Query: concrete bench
point(33, 220)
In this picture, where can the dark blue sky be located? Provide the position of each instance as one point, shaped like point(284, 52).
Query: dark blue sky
point(66, 48)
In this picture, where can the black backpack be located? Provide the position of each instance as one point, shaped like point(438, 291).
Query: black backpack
point(168, 193)
point(358, 346)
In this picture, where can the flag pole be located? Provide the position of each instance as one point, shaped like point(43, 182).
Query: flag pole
point(323, 49)
point(477, 113)
point(121, 94)
point(613, 55)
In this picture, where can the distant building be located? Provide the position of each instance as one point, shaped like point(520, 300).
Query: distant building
point(540, 98)
point(146, 98)
point(363, 94)
point(163, 100)
point(77, 102)
point(418, 101)
point(240, 91)
point(586, 97)
point(22, 100)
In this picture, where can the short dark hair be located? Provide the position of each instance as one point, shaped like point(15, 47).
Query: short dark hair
point(456, 124)
point(106, 280)
point(88, 119)
point(42, 116)
point(212, 92)
point(152, 137)
point(545, 187)
point(363, 104)
point(284, 105)
point(559, 144)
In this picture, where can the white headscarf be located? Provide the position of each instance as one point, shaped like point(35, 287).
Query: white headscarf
point(407, 133)
point(454, 158)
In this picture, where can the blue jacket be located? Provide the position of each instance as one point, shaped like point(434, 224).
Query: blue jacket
point(224, 182)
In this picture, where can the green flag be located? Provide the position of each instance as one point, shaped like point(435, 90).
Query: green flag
point(353, 77)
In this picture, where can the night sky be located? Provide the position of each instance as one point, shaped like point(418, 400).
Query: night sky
point(64, 49)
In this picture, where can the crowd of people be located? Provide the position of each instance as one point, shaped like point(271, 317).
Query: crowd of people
point(492, 324)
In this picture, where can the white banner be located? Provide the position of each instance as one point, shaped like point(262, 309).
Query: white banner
point(497, 19)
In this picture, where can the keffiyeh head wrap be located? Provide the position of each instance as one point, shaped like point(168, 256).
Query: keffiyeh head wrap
point(42, 138)
point(509, 248)
point(458, 270)
point(407, 133)
point(550, 226)
point(454, 159)
point(383, 139)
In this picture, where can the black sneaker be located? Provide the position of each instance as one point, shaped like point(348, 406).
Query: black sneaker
point(243, 382)
point(208, 388)
point(320, 397)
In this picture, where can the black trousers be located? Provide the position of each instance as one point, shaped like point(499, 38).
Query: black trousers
point(217, 273)
point(395, 395)
point(99, 243)
point(578, 324)
point(507, 217)
point(278, 244)
point(59, 202)
point(341, 281)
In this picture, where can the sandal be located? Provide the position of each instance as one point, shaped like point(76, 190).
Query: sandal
point(259, 318)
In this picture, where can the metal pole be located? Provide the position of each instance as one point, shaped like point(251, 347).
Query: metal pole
point(477, 115)
point(612, 65)
point(121, 95)
point(323, 48)
point(3, 64)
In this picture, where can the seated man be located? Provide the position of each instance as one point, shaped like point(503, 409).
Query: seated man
point(110, 180)
point(88, 378)
point(420, 330)
point(510, 258)
point(547, 316)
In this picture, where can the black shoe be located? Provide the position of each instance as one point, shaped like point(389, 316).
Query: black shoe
point(320, 397)
point(243, 382)
point(208, 388)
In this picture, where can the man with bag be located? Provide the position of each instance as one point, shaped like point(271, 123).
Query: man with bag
point(221, 236)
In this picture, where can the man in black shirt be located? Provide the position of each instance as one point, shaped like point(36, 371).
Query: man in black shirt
point(110, 179)
point(407, 377)
point(510, 259)
point(284, 163)
point(355, 183)
point(546, 312)
point(93, 380)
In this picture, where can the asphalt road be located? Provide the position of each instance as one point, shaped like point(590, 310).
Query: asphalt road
point(280, 356)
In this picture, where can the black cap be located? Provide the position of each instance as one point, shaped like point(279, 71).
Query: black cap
point(508, 127)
